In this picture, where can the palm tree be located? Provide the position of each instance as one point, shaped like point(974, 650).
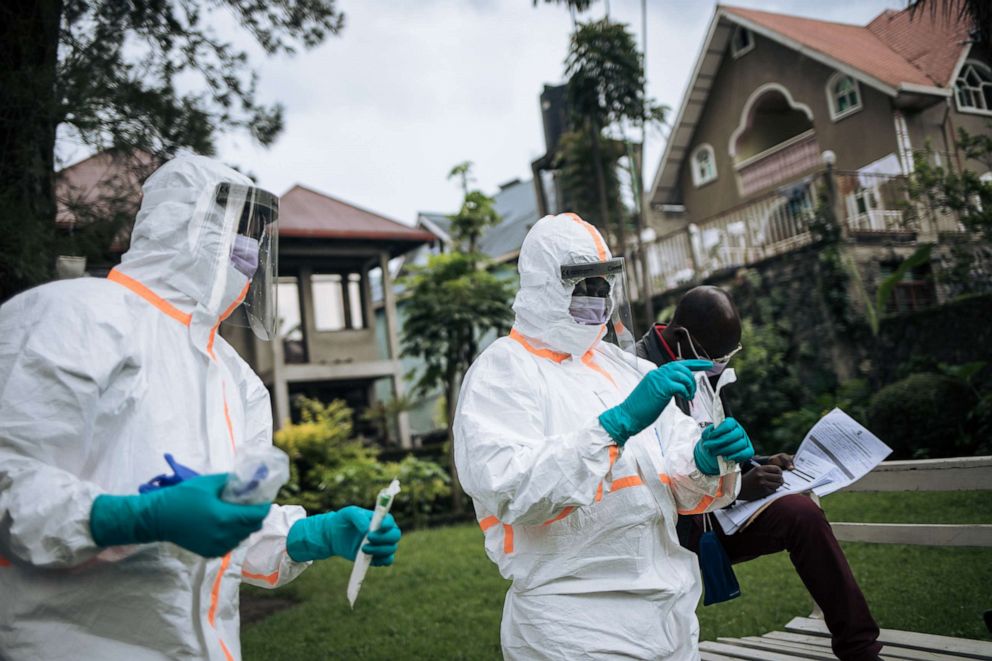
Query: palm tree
point(978, 12)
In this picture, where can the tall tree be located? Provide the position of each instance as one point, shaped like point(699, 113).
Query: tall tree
point(605, 74)
point(453, 302)
point(148, 74)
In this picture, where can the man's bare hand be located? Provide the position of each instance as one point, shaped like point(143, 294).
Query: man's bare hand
point(760, 481)
point(782, 460)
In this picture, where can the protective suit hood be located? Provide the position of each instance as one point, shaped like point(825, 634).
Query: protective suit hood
point(179, 250)
point(541, 305)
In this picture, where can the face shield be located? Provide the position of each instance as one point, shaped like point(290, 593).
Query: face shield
point(254, 252)
point(599, 297)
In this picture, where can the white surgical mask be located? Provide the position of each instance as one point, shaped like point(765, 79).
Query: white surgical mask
point(589, 310)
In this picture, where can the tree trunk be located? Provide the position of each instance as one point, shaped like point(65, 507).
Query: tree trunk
point(29, 38)
point(604, 207)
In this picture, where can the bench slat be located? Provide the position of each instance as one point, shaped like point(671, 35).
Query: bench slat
point(736, 652)
point(890, 651)
point(786, 647)
point(956, 474)
point(712, 656)
point(919, 534)
point(961, 647)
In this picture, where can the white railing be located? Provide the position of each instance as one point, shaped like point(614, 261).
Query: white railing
point(771, 225)
point(867, 205)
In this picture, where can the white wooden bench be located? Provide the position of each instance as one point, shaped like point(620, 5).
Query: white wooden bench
point(808, 638)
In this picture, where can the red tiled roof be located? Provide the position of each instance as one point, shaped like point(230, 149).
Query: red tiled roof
point(104, 182)
point(882, 50)
point(304, 213)
point(932, 42)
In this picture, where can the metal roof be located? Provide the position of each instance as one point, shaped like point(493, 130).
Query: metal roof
point(306, 213)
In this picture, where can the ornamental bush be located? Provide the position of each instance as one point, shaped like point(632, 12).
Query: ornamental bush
point(330, 468)
point(924, 415)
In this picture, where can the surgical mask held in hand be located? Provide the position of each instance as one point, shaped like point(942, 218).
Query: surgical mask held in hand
point(589, 310)
point(244, 255)
point(257, 476)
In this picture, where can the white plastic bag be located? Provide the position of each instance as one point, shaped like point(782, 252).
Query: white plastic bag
point(257, 476)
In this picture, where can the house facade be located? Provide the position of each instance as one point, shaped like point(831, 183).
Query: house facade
point(327, 345)
point(780, 109)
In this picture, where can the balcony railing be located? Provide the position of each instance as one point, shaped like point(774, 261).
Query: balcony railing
point(773, 224)
point(783, 162)
point(868, 205)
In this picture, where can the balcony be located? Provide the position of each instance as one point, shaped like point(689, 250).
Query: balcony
point(773, 224)
point(872, 208)
point(785, 161)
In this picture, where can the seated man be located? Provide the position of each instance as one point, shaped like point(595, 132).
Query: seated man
point(706, 324)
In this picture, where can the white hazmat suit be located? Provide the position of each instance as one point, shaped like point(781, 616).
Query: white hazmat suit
point(585, 532)
point(99, 378)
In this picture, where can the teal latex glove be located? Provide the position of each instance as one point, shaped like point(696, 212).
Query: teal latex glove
point(190, 514)
point(728, 440)
point(643, 406)
point(341, 533)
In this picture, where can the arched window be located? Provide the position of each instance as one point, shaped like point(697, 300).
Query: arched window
point(703, 165)
point(973, 88)
point(741, 42)
point(843, 96)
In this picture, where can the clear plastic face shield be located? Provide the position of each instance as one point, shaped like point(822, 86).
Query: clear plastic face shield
point(254, 252)
point(599, 297)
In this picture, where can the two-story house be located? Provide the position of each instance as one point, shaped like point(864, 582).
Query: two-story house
point(774, 102)
point(327, 346)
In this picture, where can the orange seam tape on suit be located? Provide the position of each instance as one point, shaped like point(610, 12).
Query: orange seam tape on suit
point(541, 353)
point(507, 539)
point(227, 418)
point(596, 238)
point(271, 579)
point(488, 523)
point(215, 592)
point(589, 361)
point(565, 512)
point(625, 482)
point(224, 315)
point(144, 292)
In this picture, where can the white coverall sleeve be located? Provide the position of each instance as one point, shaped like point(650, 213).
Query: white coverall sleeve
point(55, 383)
point(694, 491)
point(506, 462)
point(266, 563)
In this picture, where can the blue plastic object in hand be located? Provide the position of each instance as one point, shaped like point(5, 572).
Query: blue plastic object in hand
point(340, 534)
point(180, 473)
point(650, 397)
point(190, 514)
point(727, 440)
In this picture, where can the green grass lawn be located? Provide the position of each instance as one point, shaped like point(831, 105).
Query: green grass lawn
point(443, 598)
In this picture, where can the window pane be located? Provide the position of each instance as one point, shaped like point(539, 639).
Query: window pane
point(355, 300)
point(328, 302)
point(289, 309)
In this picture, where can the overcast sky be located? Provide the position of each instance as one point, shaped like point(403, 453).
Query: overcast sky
point(378, 115)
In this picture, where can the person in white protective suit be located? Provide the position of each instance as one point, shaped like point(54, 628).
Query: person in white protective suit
point(578, 462)
point(98, 379)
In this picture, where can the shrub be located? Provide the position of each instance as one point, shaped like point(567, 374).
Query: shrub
point(329, 468)
point(923, 415)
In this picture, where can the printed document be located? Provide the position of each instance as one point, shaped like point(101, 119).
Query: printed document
point(836, 452)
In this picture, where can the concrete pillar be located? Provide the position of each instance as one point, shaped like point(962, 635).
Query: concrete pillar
point(307, 312)
point(280, 387)
point(393, 342)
